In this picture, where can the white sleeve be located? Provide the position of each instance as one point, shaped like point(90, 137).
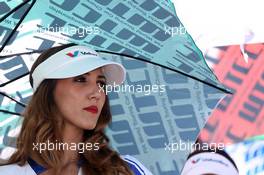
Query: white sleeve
point(14, 169)
point(137, 167)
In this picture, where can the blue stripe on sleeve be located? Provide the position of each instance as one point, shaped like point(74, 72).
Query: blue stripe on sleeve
point(135, 167)
point(38, 169)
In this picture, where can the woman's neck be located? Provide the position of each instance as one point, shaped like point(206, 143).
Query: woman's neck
point(72, 136)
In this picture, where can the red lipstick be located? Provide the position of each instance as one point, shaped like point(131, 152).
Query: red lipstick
point(92, 109)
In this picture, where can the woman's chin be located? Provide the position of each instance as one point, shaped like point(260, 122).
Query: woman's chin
point(87, 123)
point(88, 126)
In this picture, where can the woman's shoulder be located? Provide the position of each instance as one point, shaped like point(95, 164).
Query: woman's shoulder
point(137, 167)
point(14, 169)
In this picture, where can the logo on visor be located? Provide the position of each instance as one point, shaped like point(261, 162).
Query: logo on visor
point(79, 53)
point(195, 161)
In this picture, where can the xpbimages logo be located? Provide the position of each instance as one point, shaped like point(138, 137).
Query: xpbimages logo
point(58, 146)
point(77, 53)
point(137, 88)
point(190, 146)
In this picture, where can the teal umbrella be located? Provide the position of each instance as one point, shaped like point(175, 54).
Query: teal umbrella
point(147, 38)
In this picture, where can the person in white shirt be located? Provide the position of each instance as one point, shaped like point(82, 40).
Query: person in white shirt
point(209, 162)
point(64, 122)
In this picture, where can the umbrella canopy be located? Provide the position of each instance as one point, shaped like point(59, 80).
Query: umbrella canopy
point(238, 116)
point(142, 36)
point(248, 155)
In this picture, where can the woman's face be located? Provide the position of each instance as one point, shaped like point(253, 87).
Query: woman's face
point(80, 99)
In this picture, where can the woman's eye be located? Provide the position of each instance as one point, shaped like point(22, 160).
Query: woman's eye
point(80, 79)
point(101, 83)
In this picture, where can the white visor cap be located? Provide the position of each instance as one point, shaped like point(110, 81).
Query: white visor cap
point(74, 61)
point(209, 163)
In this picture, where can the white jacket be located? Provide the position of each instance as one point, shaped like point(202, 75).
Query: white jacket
point(34, 169)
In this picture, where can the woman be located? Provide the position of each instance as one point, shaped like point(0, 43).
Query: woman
point(64, 122)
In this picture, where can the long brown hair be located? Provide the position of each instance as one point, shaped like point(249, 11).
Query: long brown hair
point(40, 125)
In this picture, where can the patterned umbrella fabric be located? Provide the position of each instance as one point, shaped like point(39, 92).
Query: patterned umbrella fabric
point(241, 115)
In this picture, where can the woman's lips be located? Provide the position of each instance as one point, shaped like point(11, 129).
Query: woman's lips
point(92, 109)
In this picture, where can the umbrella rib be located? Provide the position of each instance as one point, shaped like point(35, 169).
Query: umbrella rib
point(22, 53)
point(4, 84)
point(18, 102)
point(10, 112)
point(137, 58)
point(166, 67)
point(18, 24)
point(13, 10)
point(21, 76)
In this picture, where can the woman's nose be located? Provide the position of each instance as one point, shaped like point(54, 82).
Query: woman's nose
point(95, 91)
